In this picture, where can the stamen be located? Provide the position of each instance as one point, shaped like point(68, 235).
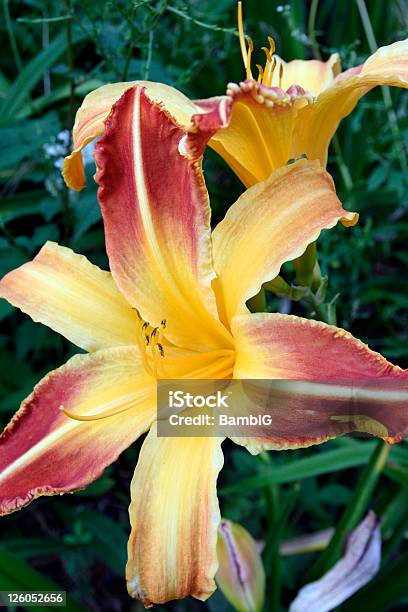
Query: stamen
point(141, 339)
point(242, 35)
point(250, 50)
point(272, 46)
point(280, 75)
point(260, 73)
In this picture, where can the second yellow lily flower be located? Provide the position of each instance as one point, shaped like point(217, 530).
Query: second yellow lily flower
point(291, 109)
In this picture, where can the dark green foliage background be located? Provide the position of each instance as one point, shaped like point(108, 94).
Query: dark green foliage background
point(79, 541)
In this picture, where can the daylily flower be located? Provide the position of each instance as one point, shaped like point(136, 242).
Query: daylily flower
point(173, 306)
point(290, 109)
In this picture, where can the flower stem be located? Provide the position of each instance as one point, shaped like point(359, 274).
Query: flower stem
point(311, 27)
point(354, 511)
point(257, 303)
point(271, 492)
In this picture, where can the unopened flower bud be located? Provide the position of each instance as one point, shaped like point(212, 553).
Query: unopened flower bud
point(241, 575)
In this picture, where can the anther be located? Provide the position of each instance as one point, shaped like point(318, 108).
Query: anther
point(163, 323)
point(280, 75)
point(272, 45)
point(273, 68)
point(250, 50)
point(260, 73)
point(161, 349)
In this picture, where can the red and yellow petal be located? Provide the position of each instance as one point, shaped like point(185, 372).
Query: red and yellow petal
point(72, 296)
point(45, 452)
point(157, 222)
point(366, 392)
point(90, 120)
point(174, 516)
point(274, 222)
point(318, 122)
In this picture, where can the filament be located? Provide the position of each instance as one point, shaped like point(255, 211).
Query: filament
point(250, 50)
point(242, 35)
point(260, 73)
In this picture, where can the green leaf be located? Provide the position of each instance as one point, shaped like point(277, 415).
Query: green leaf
point(58, 94)
point(109, 539)
point(101, 486)
point(24, 204)
point(86, 213)
point(5, 309)
point(354, 510)
point(17, 575)
point(22, 140)
point(19, 91)
point(323, 462)
point(28, 548)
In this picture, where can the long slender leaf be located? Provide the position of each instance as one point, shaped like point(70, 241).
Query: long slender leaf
point(322, 463)
point(355, 509)
point(21, 88)
point(17, 575)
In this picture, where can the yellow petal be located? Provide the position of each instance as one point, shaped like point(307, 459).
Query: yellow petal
point(72, 296)
point(258, 138)
point(44, 452)
point(90, 119)
point(271, 223)
point(174, 516)
point(312, 75)
point(317, 123)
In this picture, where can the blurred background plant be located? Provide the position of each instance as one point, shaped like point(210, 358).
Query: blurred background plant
point(56, 52)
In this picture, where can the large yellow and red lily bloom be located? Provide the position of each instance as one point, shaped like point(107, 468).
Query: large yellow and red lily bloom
point(291, 109)
point(173, 305)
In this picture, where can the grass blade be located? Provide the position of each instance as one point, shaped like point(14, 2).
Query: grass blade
point(355, 509)
point(21, 88)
